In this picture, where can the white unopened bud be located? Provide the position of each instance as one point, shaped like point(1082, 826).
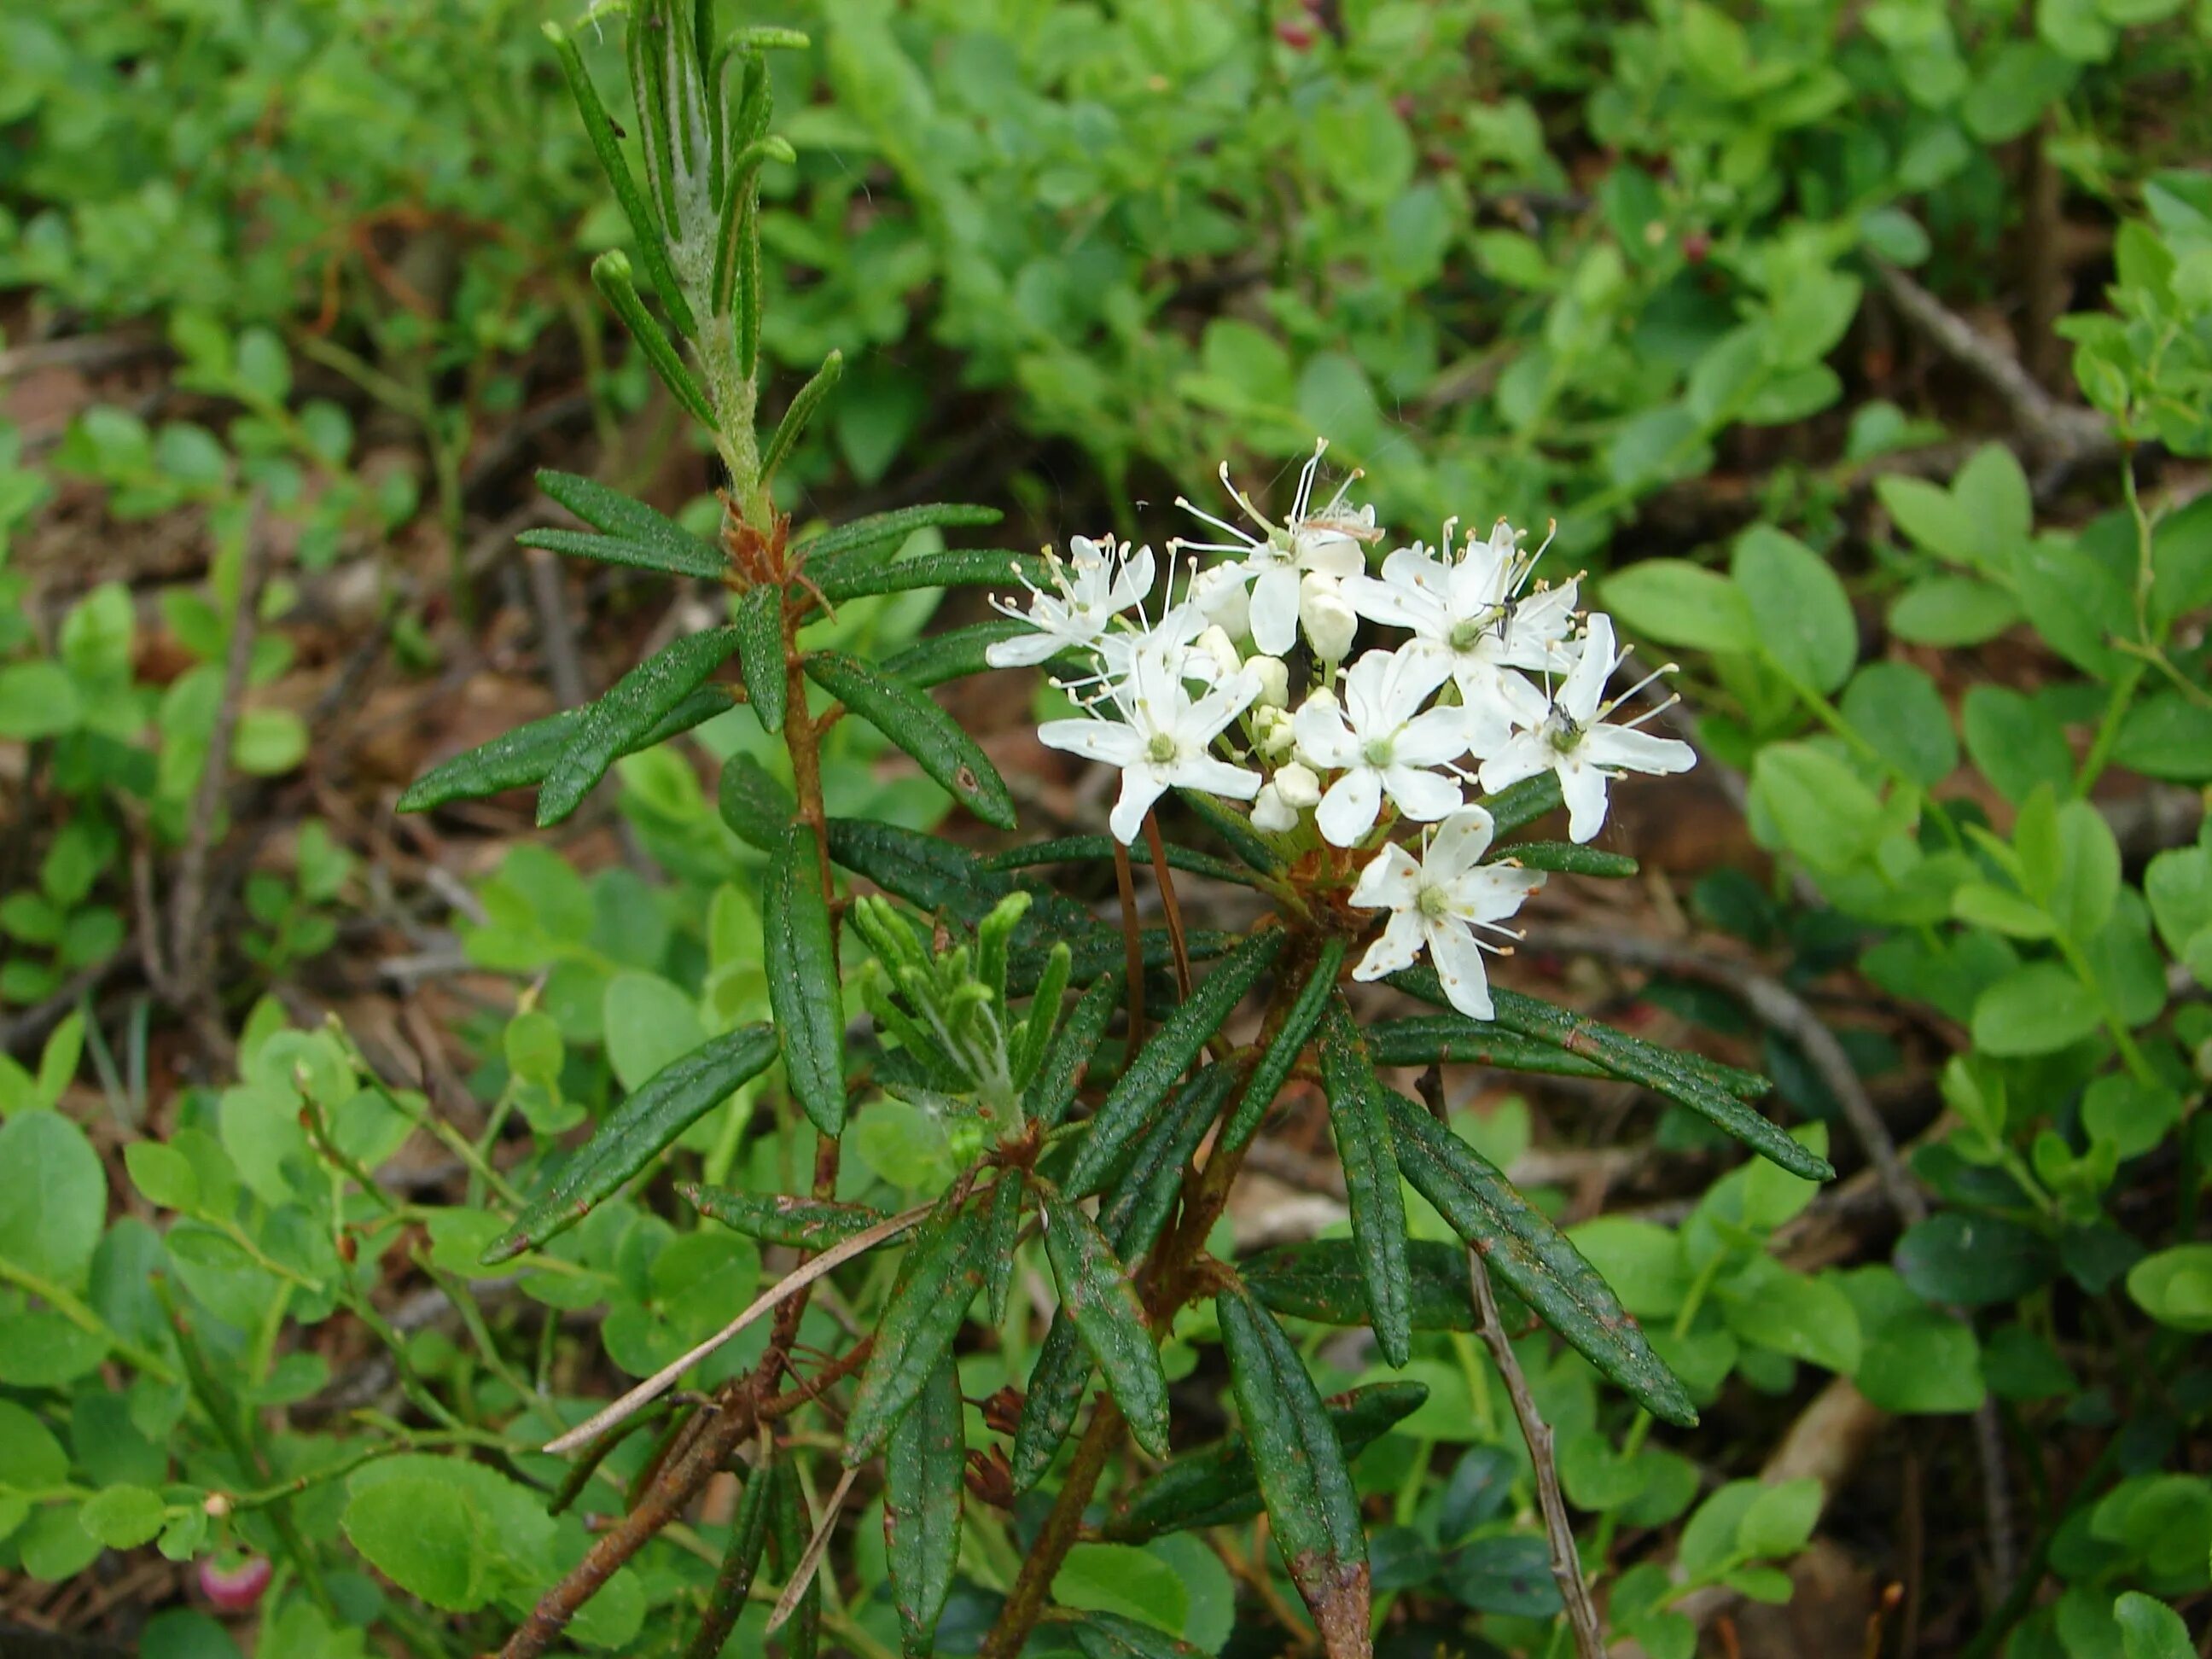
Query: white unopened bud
point(1216, 644)
point(1274, 677)
point(1299, 785)
point(1271, 812)
point(1329, 621)
point(1272, 731)
point(1220, 593)
point(1322, 696)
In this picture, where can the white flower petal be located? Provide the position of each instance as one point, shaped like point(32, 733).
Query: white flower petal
point(1323, 739)
point(1431, 738)
point(1580, 693)
point(1347, 810)
point(1398, 947)
point(1274, 609)
point(1141, 787)
point(1100, 740)
point(1391, 881)
point(1523, 757)
point(1459, 965)
point(1618, 749)
point(1215, 777)
point(1422, 796)
point(1458, 844)
point(1583, 786)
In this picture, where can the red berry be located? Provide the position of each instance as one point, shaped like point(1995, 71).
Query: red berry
point(235, 1590)
point(1696, 245)
point(1297, 36)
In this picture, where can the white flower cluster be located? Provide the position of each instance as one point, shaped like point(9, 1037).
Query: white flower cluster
point(1496, 679)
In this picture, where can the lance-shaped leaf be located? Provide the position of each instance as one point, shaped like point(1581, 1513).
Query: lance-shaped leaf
point(734, 285)
point(1274, 1065)
point(803, 1224)
point(758, 618)
point(885, 533)
point(1325, 1280)
point(652, 540)
point(953, 654)
point(922, 1468)
point(1033, 1036)
point(1081, 849)
point(1234, 828)
point(611, 274)
point(789, 1530)
point(1002, 1231)
point(1052, 1087)
point(517, 759)
point(1370, 1180)
point(1131, 1217)
point(618, 723)
point(748, 1531)
point(757, 808)
point(936, 1282)
point(956, 567)
point(1519, 805)
point(1216, 1485)
point(918, 725)
point(1521, 1246)
point(1102, 1635)
point(803, 406)
point(673, 1100)
point(1456, 1040)
point(803, 988)
point(1096, 1293)
point(1145, 1082)
point(1313, 1508)
point(926, 871)
point(1565, 858)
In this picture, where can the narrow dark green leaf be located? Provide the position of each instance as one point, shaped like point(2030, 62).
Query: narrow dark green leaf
point(878, 529)
point(918, 726)
point(737, 241)
point(749, 1531)
point(611, 274)
point(757, 618)
point(1101, 950)
point(936, 1282)
point(803, 987)
point(672, 1101)
point(614, 549)
point(1146, 1081)
point(757, 808)
point(1520, 804)
point(1521, 1246)
point(1370, 1180)
point(1234, 828)
point(1131, 1216)
point(922, 1468)
point(1565, 858)
point(1216, 1487)
point(926, 871)
point(627, 519)
point(1456, 1040)
point(803, 1224)
point(1079, 849)
point(1325, 1280)
point(958, 567)
point(1273, 1067)
point(790, 1531)
point(523, 757)
point(619, 722)
point(803, 406)
point(1052, 1089)
point(1001, 1233)
point(1096, 1293)
point(1102, 1635)
point(1033, 1036)
point(644, 223)
point(1313, 1509)
point(951, 655)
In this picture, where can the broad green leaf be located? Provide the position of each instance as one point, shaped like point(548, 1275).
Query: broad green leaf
point(1951, 610)
point(637, 1132)
point(2174, 1286)
point(2034, 1009)
point(619, 722)
point(427, 1536)
point(1804, 624)
point(757, 620)
point(1313, 1508)
point(1216, 1487)
point(1273, 1067)
point(2150, 1629)
point(1370, 1180)
point(2017, 744)
point(1932, 517)
point(1954, 1258)
point(1680, 604)
point(1803, 1315)
point(1100, 1633)
point(2167, 735)
point(936, 1282)
point(1325, 1281)
point(122, 1517)
point(922, 729)
point(922, 1470)
point(1096, 1291)
point(1825, 814)
point(1146, 1081)
point(803, 1224)
point(1898, 710)
point(803, 986)
point(1520, 1245)
point(53, 1198)
point(524, 755)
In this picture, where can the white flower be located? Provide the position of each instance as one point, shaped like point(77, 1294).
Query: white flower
point(1381, 741)
point(1095, 583)
point(1566, 735)
point(1162, 738)
point(1439, 903)
point(1471, 611)
point(1272, 813)
point(1328, 542)
point(1330, 624)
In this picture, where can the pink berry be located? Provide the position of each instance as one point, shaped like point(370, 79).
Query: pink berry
point(1297, 36)
point(235, 1589)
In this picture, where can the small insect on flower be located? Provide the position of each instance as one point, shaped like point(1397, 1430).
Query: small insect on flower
point(1326, 542)
point(1162, 735)
point(1566, 734)
point(1096, 582)
point(1442, 903)
point(1382, 742)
